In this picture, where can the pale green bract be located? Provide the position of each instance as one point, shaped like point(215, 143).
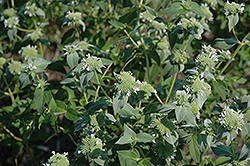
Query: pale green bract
point(29, 52)
point(233, 8)
point(89, 144)
point(179, 57)
point(181, 98)
point(125, 83)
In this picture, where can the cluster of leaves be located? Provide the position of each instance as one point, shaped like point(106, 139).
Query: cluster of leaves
point(137, 81)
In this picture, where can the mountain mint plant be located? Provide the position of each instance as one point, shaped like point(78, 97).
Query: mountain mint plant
point(140, 83)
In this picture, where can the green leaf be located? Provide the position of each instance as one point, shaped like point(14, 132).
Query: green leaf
point(200, 98)
point(166, 108)
point(117, 24)
point(67, 35)
point(128, 136)
point(194, 149)
point(143, 137)
point(40, 98)
point(52, 105)
point(41, 64)
point(225, 43)
point(180, 113)
point(12, 34)
point(128, 110)
point(190, 117)
point(232, 21)
point(245, 152)
point(72, 114)
point(119, 102)
point(25, 79)
point(92, 106)
point(174, 8)
point(220, 149)
point(127, 158)
point(73, 59)
point(154, 55)
point(221, 161)
point(85, 76)
point(145, 162)
point(197, 9)
point(220, 88)
point(40, 12)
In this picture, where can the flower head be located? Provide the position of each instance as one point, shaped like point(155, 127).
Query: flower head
point(225, 54)
point(15, 67)
point(181, 98)
point(11, 22)
point(207, 58)
point(57, 159)
point(194, 85)
point(9, 12)
point(30, 9)
point(36, 35)
point(29, 52)
point(180, 57)
point(231, 120)
point(89, 144)
point(125, 83)
point(93, 63)
point(192, 26)
point(73, 17)
point(233, 8)
point(147, 88)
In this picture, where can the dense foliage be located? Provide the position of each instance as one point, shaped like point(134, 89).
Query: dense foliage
point(131, 82)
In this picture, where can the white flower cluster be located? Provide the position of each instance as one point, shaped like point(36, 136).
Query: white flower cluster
point(73, 17)
point(231, 120)
point(207, 58)
point(30, 9)
point(233, 8)
point(28, 52)
point(92, 63)
point(11, 22)
point(127, 84)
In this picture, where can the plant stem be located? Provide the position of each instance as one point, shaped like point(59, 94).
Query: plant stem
point(128, 62)
point(158, 98)
point(12, 3)
point(119, 123)
point(143, 155)
point(234, 54)
point(234, 33)
point(171, 88)
point(98, 87)
point(11, 134)
point(25, 30)
point(131, 38)
point(229, 61)
point(10, 92)
point(231, 138)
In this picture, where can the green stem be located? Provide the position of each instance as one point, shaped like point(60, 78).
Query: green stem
point(158, 98)
point(143, 155)
point(11, 134)
point(10, 92)
point(131, 38)
point(231, 138)
point(98, 87)
point(128, 62)
point(12, 3)
point(139, 104)
point(219, 64)
point(229, 61)
point(234, 33)
point(25, 30)
point(171, 88)
point(41, 49)
point(234, 54)
point(119, 123)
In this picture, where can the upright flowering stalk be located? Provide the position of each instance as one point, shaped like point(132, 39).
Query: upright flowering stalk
point(30, 9)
